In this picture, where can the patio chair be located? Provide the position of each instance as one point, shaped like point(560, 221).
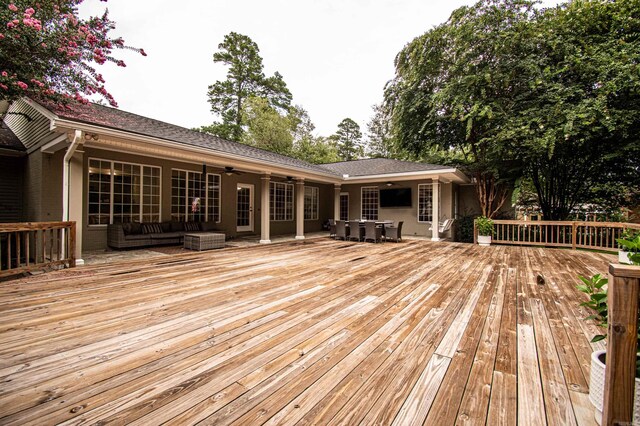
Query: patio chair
point(443, 226)
point(332, 228)
point(372, 232)
point(355, 231)
point(394, 233)
point(342, 232)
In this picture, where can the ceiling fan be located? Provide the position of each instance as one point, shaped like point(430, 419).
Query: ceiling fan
point(228, 170)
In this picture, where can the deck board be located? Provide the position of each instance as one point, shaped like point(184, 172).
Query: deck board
point(313, 332)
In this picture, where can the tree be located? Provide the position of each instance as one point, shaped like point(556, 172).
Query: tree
point(348, 139)
point(245, 78)
point(455, 88)
point(48, 53)
point(266, 128)
point(380, 141)
point(578, 128)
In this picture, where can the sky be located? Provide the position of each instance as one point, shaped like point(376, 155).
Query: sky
point(334, 55)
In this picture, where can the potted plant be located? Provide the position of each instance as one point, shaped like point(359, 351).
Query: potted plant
point(595, 288)
point(629, 246)
point(484, 226)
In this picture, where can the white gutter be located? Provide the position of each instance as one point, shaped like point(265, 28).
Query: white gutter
point(77, 138)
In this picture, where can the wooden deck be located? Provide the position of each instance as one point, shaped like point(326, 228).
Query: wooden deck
point(319, 332)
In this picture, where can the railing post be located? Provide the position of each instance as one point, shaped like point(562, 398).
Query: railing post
point(72, 245)
point(475, 232)
point(624, 287)
point(574, 230)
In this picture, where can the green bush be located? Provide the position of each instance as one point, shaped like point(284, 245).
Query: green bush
point(484, 226)
point(464, 229)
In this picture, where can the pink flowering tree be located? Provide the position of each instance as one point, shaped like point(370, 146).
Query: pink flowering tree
point(48, 53)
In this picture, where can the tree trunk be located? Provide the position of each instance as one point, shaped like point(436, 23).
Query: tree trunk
point(491, 195)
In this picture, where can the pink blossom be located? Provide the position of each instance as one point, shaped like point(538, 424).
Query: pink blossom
point(143, 53)
point(43, 44)
point(121, 63)
point(29, 12)
point(1, 36)
point(4, 86)
point(5, 74)
point(13, 7)
point(22, 85)
point(10, 25)
point(37, 82)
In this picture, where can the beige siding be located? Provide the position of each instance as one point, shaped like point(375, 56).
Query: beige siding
point(409, 215)
point(31, 127)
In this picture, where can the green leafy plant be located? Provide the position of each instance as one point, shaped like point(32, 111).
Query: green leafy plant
point(594, 288)
point(630, 243)
point(484, 226)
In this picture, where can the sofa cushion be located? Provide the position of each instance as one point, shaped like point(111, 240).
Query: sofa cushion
point(166, 226)
point(208, 226)
point(126, 228)
point(151, 228)
point(136, 228)
point(166, 235)
point(177, 227)
point(136, 237)
point(191, 226)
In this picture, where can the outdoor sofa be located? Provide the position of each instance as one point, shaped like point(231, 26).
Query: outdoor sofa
point(131, 235)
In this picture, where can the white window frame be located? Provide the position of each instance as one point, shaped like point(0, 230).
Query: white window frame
point(287, 189)
point(315, 202)
point(430, 210)
point(362, 208)
point(111, 189)
point(204, 204)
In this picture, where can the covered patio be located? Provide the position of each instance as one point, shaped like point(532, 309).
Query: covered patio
point(308, 332)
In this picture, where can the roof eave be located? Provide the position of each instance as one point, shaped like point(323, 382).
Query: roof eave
point(450, 174)
point(67, 124)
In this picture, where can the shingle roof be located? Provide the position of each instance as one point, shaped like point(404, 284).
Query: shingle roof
point(121, 120)
point(379, 166)
point(10, 141)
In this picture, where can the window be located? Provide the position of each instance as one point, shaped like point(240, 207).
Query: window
point(123, 192)
point(281, 201)
point(311, 200)
point(369, 204)
point(425, 202)
point(192, 198)
point(344, 206)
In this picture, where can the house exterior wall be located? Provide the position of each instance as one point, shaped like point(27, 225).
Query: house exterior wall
point(95, 236)
point(409, 215)
point(469, 205)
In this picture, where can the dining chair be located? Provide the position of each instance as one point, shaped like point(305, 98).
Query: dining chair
point(332, 228)
point(394, 233)
point(342, 232)
point(355, 231)
point(372, 231)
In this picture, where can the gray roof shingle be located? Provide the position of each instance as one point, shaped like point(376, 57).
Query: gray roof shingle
point(10, 141)
point(379, 166)
point(121, 120)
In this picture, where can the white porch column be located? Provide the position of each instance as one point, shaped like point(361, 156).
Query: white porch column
point(435, 213)
point(265, 210)
point(336, 202)
point(300, 209)
point(76, 201)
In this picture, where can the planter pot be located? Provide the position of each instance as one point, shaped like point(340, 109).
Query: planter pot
point(484, 240)
point(596, 388)
point(623, 257)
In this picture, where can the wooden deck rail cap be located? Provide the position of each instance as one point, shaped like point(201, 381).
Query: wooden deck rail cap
point(627, 271)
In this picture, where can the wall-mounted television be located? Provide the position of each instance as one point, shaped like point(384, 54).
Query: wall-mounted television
point(395, 197)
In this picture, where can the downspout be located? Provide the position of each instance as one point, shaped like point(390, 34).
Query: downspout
point(77, 139)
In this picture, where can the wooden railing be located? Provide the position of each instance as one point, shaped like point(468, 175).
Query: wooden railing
point(26, 247)
point(622, 344)
point(588, 235)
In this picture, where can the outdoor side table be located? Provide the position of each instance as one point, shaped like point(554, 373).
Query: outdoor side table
point(203, 241)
